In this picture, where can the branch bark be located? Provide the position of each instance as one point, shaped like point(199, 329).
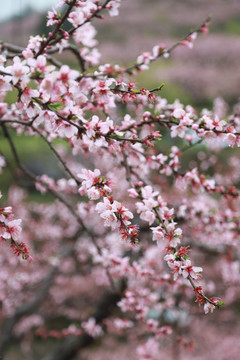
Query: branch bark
point(69, 348)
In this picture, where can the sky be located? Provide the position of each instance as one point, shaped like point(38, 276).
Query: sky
point(17, 7)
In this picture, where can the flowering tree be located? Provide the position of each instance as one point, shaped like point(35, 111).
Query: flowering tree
point(119, 247)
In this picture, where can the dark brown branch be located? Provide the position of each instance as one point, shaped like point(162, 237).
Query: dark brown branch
point(70, 347)
point(190, 279)
point(75, 51)
point(29, 124)
point(73, 29)
point(57, 28)
point(66, 168)
point(170, 49)
point(35, 178)
point(116, 90)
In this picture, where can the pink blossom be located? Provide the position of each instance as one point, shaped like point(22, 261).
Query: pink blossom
point(28, 94)
point(88, 176)
point(144, 58)
point(66, 74)
point(178, 130)
point(179, 113)
point(147, 192)
point(76, 18)
point(189, 40)
point(2, 164)
point(27, 53)
point(13, 229)
point(113, 7)
point(52, 18)
point(19, 71)
point(122, 323)
point(175, 266)
point(208, 307)
point(85, 35)
point(40, 63)
point(149, 350)
point(34, 43)
point(133, 193)
point(67, 130)
point(91, 328)
point(188, 269)
point(157, 49)
point(158, 233)
point(5, 83)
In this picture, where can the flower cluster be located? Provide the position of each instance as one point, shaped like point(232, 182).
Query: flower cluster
point(93, 184)
point(10, 230)
point(114, 214)
point(91, 328)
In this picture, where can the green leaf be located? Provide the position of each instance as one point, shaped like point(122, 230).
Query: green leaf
point(213, 211)
point(36, 74)
point(114, 136)
point(220, 303)
point(55, 106)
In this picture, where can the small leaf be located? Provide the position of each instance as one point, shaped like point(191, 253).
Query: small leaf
point(114, 136)
point(55, 106)
point(220, 303)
